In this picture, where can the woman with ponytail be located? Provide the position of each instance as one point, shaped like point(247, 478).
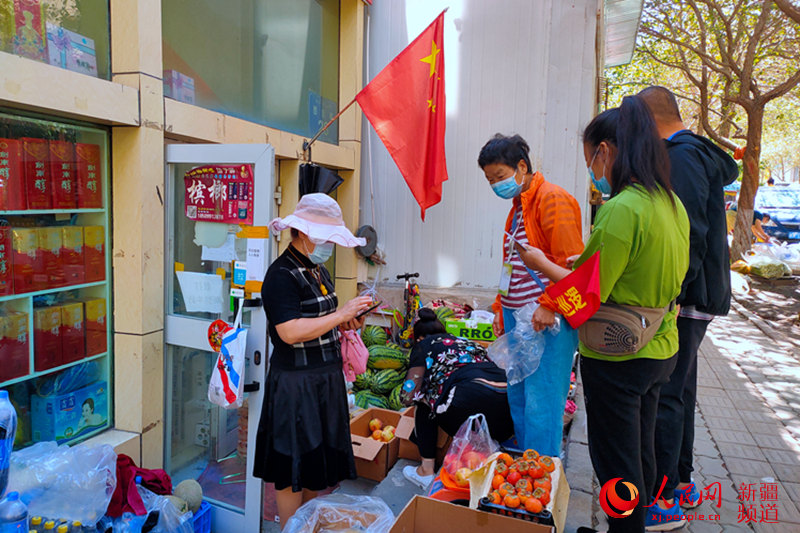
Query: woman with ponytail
point(453, 379)
point(642, 233)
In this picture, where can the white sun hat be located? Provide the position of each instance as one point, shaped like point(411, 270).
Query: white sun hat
point(320, 217)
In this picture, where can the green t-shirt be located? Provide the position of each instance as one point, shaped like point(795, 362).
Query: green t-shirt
point(644, 254)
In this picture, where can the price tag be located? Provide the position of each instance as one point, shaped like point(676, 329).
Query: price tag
point(505, 279)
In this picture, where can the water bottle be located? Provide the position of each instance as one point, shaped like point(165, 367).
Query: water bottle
point(8, 430)
point(36, 524)
point(13, 514)
point(50, 526)
point(76, 527)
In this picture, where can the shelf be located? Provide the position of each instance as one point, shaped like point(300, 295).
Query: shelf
point(51, 291)
point(51, 370)
point(52, 211)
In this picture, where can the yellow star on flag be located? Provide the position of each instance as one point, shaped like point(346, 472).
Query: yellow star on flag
point(431, 106)
point(431, 59)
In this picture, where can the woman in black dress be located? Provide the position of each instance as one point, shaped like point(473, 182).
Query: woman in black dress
point(303, 441)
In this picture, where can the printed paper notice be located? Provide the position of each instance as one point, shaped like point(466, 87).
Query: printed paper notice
point(225, 253)
point(202, 293)
point(256, 259)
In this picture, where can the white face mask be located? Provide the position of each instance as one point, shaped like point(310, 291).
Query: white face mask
point(322, 252)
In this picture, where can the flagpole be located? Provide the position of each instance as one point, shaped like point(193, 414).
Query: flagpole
point(307, 144)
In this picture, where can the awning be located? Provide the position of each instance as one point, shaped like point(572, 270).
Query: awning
point(621, 25)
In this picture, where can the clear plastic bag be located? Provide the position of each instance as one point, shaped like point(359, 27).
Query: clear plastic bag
point(767, 265)
point(471, 447)
point(170, 520)
point(339, 512)
point(520, 350)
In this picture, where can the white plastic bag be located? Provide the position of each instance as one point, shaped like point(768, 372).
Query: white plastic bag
point(338, 512)
point(520, 350)
point(471, 447)
point(226, 387)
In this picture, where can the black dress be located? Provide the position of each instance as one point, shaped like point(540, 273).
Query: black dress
point(303, 438)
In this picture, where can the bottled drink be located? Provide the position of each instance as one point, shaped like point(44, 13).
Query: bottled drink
point(76, 527)
point(49, 526)
point(36, 524)
point(13, 514)
point(8, 430)
point(63, 528)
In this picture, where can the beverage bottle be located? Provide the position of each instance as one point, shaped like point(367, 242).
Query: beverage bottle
point(8, 430)
point(13, 514)
point(49, 526)
point(63, 528)
point(76, 527)
point(36, 524)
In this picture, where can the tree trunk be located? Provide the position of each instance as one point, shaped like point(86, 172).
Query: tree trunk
point(742, 233)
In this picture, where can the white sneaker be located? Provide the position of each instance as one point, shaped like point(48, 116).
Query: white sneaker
point(411, 474)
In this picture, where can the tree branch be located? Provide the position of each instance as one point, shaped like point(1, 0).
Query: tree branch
point(783, 88)
point(752, 46)
point(790, 10)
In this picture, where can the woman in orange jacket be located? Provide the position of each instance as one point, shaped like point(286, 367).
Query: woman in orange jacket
point(545, 216)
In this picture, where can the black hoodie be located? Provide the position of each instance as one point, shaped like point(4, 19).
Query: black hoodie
point(699, 171)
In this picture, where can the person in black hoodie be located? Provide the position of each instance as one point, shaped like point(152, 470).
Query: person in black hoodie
point(699, 171)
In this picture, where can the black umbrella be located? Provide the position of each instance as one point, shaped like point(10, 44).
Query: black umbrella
point(314, 178)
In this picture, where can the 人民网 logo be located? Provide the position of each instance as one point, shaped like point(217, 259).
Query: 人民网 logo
point(613, 504)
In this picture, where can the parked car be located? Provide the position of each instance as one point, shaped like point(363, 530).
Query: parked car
point(782, 204)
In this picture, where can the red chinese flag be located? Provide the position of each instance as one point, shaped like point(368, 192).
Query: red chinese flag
point(405, 104)
point(578, 295)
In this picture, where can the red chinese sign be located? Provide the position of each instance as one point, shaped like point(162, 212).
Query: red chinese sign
point(220, 193)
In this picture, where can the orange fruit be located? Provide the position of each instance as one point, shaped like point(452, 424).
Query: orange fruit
point(547, 463)
point(543, 484)
point(506, 489)
point(530, 455)
point(377, 434)
point(523, 496)
point(497, 480)
point(511, 500)
point(541, 495)
point(495, 498)
point(533, 505)
point(513, 476)
point(507, 459)
point(501, 468)
point(523, 484)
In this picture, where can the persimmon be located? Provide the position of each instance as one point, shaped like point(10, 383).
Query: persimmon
point(501, 468)
point(530, 455)
point(542, 483)
point(523, 484)
point(533, 505)
point(495, 498)
point(497, 480)
point(511, 501)
point(535, 471)
point(523, 496)
point(506, 489)
point(513, 476)
point(505, 458)
point(542, 495)
point(547, 463)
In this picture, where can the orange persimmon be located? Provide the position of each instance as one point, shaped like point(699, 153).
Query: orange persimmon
point(533, 505)
point(511, 501)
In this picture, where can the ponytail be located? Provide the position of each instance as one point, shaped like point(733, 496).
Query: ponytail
point(427, 324)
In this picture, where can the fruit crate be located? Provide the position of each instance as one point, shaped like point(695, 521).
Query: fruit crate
point(202, 518)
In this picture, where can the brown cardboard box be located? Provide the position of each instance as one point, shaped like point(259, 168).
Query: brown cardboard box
point(374, 459)
point(408, 450)
point(425, 515)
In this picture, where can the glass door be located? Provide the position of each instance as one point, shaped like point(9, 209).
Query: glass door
point(206, 442)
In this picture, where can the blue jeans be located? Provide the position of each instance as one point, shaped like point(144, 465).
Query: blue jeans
point(537, 404)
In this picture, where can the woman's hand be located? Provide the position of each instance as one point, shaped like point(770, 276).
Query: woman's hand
point(355, 324)
point(533, 258)
point(497, 324)
point(571, 260)
point(543, 318)
point(351, 309)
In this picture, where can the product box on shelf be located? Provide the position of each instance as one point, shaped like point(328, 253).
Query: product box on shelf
point(72, 254)
point(14, 345)
point(62, 174)
point(374, 458)
point(87, 170)
point(30, 39)
point(96, 335)
point(94, 255)
point(70, 50)
point(12, 183)
point(66, 417)
point(28, 273)
point(38, 185)
point(50, 244)
point(6, 262)
point(178, 86)
point(7, 27)
point(46, 337)
point(73, 334)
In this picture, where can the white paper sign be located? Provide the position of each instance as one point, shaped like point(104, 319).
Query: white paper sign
point(256, 259)
point(202, 293)
point(225, 253)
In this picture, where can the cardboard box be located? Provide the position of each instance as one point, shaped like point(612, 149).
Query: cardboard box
point(7, 27)
point(38, 187)
point(27, 263)
point(50, 245)
point(96, 329)
point(6, 262)
point(374, 459)
point(73, 333)
point(70, 50)
point(470, 329)
point(12, 181)
point(14, 345)
point(178, 86)
point(87, 171)
point(30, 39)
point(67, 417)
point(62, 174)
point(72, 254)
point(409, 450)
point(46, 337)
point(425, 515)
point(94, 253)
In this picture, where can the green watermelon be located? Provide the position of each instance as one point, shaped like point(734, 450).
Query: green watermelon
point(386, 380)
point(394, 398)
point(389, 356)
point(373, 335)
point(364, 380)
point(443, 313)
point(366, 399)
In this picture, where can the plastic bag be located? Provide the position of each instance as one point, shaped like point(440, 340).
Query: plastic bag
point(226, 387)
point(519, 351)
point(338, 512)
point(161, 517)
point(73, 483)
point(767, 266)
point(471, 447)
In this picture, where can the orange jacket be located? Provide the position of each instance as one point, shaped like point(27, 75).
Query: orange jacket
point(552, 223)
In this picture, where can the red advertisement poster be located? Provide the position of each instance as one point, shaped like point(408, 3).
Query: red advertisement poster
point(87, 170)
point(12, 185)
point(220, 193)
point(37, 173)
point(62, 174)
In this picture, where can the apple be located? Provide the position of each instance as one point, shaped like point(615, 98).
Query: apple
point(462, 477)
point(376, 434)
point(375, 423)
point(388, 427)
point(473, 460)
point(387, 434)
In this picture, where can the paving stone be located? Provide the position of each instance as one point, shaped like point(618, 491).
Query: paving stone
point(730, 450)
point(706, 448)
point(782, 441)
point(711, 467)
point(579, 511)
point(733, 424)
point(710, 391)
point(696, 526)
point(720, 412)
point(747, 467)
point(792, 490)
point(735, 437)
point(787, 472)
point(715, 401)
point(785, 457)
point(736, 529)
point(780, 527)
point(765, 428)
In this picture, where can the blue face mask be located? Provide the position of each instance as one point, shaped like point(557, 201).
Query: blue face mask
point(322, 252)
point(508, 188)
point(601, 184)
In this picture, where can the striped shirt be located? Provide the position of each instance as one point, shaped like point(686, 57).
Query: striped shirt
point(523, 289)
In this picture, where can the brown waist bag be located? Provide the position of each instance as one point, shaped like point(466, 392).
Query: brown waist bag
point(617, 329)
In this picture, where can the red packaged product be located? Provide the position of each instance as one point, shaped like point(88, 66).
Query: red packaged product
point(87, 170)
point(94, 253)
point(12, 182)
point(38, 187)
point(30, 39)
point(73, 335)
point(46, 337)
point(50, 250)
point(28, 273)
point(6, 264)
point(62, 174)
point(72, 254)
point(14, 345)
point(96, 333)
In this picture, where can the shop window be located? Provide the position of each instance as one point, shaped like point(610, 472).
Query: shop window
point(71, 34)
point(55, 308)
point(269, 61)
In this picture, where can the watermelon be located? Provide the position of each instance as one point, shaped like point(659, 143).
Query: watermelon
point(364, 380)
point(388, 356)
point(394, 398)
point(366, 399)
point(386, 380)
point(443, 313)
point(374, 335)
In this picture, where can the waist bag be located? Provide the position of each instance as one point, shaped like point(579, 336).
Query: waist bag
point(617, 329)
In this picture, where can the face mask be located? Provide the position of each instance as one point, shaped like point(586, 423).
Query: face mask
point(322, 252)
point(601, 184)
point(508, 188)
